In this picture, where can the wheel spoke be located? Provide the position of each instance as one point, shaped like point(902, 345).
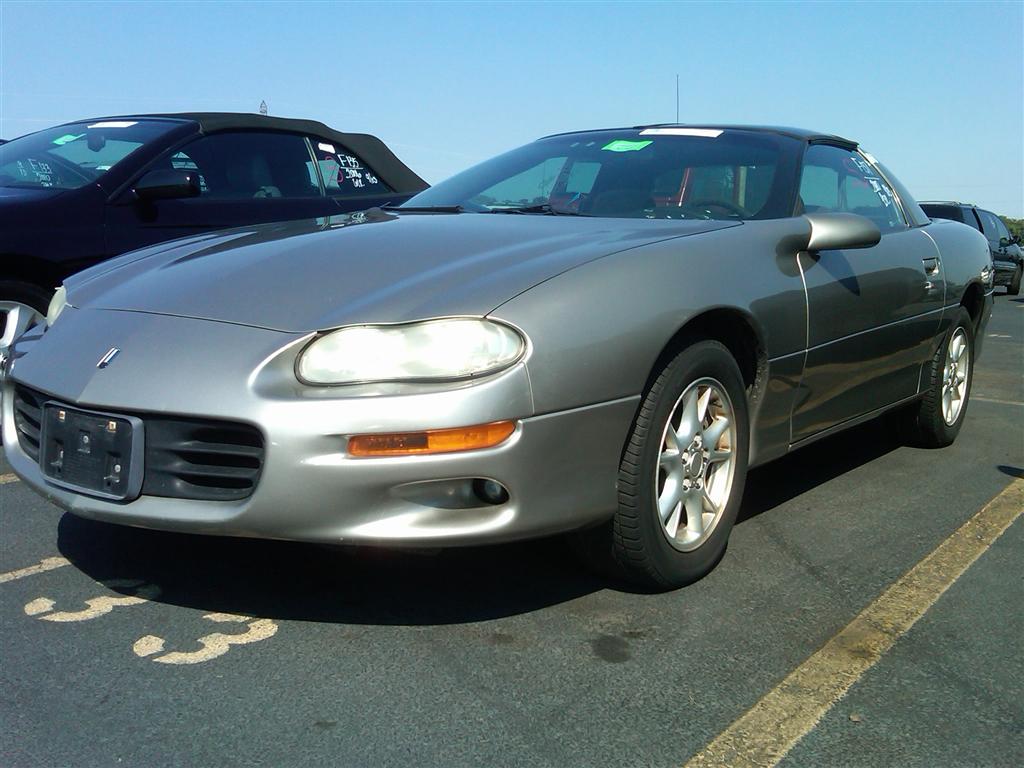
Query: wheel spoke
point(669, 459)
point(672, 524)
point(671, 492)
point(708, 503)
point(713, 434)
point(689, 424)
point(702, 404)
point(694, 503)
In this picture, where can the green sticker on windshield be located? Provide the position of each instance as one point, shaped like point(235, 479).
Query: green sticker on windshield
point(67, 138)
point(625, 145)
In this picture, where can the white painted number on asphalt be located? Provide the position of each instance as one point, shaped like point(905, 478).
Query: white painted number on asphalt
point(213, 645)
point(41, 607)
point(44, 565)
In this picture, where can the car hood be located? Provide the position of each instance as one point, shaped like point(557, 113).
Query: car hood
point(17, 196)
point(372, 267)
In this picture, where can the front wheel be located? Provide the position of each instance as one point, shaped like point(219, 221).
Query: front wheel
point(683, 470)
point(22, 305)
point(1014, 287)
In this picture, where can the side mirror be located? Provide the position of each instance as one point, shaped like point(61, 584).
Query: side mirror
point(836, 231)
point(168, 184)
point(1005, 242)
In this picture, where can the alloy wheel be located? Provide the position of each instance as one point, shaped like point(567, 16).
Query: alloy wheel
point(696, 465)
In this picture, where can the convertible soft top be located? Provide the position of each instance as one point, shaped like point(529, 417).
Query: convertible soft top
point(372, 150)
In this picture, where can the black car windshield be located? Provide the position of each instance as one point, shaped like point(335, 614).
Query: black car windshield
point(654, 173)
point(73, 155)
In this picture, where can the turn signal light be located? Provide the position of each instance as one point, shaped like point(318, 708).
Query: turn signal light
point(432, 440)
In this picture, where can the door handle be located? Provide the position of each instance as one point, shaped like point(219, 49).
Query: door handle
point(931, 266)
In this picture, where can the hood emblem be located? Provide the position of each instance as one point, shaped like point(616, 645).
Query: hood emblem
point(108, 358)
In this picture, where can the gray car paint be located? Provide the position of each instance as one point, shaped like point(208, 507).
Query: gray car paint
point(840, 335)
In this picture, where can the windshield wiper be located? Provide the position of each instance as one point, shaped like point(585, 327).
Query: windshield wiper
point(424, 208)
point(544, 208)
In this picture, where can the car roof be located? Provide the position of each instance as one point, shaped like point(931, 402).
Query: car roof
point(802, 134)
point(372, 150)
point(946, 202)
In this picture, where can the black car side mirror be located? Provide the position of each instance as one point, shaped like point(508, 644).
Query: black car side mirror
point(167, 184)
point(835, 231)
point(1005, 242)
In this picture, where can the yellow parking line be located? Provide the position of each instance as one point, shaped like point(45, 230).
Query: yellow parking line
point(44, 565)
point(8, 478)
point(772, 727)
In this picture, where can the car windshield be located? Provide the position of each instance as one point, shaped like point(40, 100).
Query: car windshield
point(73, 155)
point(654, 173)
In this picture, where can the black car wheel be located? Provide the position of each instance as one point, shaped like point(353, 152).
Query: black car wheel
point(22, 305)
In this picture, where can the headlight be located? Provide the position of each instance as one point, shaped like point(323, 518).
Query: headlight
point(457, 348)
point(57, 304)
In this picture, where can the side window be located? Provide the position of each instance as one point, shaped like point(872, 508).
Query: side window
point(993, 227)
point(248, 165)
point(836, 179)
point(343, 172)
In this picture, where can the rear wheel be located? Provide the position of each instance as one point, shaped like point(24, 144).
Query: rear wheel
point(682, 474)
point(936, 419)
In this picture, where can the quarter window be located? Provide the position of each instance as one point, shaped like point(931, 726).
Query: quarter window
point(343, 173)
point(838, 180)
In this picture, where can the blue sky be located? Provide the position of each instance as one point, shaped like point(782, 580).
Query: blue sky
point(933, 89)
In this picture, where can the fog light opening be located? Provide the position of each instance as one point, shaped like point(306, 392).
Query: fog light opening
point(490, 491)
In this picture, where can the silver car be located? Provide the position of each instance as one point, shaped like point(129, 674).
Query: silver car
point(597, 333)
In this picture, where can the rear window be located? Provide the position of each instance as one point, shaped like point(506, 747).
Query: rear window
point(953, 212)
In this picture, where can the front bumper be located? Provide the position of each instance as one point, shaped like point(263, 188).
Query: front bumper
point(560, 469)
point(1004, 271)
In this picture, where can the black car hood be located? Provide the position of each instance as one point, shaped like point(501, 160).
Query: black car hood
point(365, 268)
point(22, 195)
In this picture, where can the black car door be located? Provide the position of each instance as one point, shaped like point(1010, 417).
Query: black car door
point(246, 177)
point(873, 312)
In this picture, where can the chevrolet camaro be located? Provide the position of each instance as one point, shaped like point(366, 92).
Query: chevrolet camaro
point(598, 333)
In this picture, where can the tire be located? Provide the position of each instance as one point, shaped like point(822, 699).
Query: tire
point(27, 294)
point(935, 422)
point(691, 431)
point(1014, 287)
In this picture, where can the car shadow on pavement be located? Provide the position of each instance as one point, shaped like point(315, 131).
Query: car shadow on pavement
point(286, 580)
point(786, 478)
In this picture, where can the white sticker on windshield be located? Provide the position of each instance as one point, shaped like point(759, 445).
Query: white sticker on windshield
point(323, 145)
point(708, 133)
point(114, 124)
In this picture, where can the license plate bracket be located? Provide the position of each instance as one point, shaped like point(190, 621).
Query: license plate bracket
point(91, 452)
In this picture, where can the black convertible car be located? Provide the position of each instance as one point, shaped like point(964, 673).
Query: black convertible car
point(79, 193)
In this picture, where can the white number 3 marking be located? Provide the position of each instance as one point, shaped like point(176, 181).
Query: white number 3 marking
point(97, 606)
point(214, 645)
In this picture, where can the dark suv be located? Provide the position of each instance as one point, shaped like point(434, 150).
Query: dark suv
point(1007, 255)
point(82, 192)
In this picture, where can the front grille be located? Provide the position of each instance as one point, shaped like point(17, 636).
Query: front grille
point(186, 458)
point(201, 459)
point(28, 414)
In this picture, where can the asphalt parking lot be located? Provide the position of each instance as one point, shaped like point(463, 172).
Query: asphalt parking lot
point(136, 648)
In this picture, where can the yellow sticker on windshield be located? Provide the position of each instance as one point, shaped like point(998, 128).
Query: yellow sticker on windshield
point(625, 145)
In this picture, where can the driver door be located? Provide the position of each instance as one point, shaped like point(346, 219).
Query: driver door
point(246, 178)
point(872, 313)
